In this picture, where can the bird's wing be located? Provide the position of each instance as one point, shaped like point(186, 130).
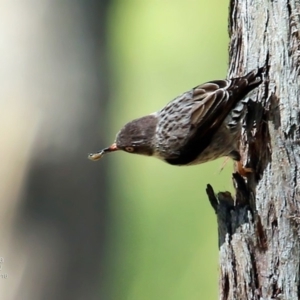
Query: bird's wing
point(210, 104)
point(198, 111)
point(204, 109)
point(214, 100)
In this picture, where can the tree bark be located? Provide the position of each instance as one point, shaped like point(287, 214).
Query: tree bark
point(259, 229)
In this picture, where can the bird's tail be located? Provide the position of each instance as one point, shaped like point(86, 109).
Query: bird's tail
point(244, 85)
point(240, 88)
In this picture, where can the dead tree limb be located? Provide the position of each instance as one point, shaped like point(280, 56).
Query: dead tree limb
point(259, 228)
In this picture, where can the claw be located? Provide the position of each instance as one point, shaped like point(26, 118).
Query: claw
point(242, 170)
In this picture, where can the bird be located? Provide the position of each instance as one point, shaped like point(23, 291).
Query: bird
point(200, 125)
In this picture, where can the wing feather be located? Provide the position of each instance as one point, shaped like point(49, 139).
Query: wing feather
point(199, 113)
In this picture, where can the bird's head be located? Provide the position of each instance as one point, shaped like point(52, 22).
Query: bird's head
point(135, 137)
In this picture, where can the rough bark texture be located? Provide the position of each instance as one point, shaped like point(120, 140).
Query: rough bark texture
point(259, 230)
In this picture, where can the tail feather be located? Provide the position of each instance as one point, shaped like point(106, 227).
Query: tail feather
point(243, 85)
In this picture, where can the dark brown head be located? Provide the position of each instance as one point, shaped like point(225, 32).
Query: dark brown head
point(135, 137)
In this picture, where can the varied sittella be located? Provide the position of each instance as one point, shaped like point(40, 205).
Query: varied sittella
point(200, 125)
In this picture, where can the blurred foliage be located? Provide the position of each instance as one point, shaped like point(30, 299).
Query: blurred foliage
point(163, 232)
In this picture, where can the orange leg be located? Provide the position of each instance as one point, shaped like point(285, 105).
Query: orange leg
point(242, 170)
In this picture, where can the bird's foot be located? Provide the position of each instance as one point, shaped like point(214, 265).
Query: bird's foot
point(242, 170)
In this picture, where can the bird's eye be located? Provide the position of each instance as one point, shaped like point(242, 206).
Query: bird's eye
point(129, 149)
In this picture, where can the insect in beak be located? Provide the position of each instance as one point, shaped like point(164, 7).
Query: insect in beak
point(99, 155)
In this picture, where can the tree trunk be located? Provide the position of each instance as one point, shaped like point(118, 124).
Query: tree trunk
point(259, 230)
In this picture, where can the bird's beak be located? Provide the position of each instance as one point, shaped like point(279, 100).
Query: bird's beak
point(98, 155)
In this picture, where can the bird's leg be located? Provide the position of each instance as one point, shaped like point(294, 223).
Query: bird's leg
point(235, 155)
point(242, 170)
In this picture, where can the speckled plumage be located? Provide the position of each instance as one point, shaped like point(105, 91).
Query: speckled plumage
point(200, 125)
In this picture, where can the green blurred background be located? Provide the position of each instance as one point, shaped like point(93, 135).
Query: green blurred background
point(128, 227)
point(163, 233)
